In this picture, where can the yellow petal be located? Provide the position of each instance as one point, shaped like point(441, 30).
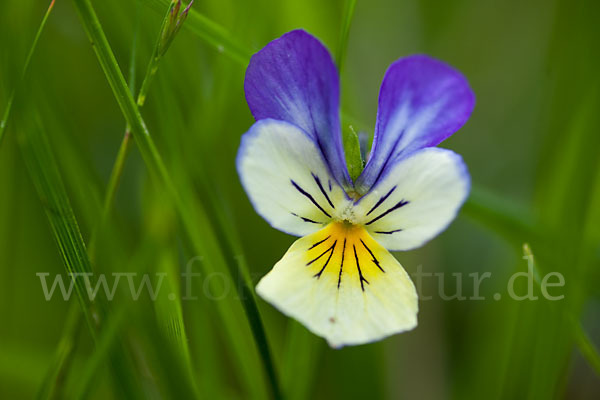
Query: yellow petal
point(342, 285)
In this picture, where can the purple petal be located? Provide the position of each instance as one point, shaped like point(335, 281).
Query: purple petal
point(422, 101)
point(294, 79)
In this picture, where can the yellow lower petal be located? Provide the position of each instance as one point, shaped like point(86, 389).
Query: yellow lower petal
point(342, 285)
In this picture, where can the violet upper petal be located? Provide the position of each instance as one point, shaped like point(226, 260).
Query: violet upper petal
point(422, 101)
point(294, 79)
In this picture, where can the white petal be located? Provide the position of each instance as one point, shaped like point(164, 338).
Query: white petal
point(342, 285)
point(415, 199)
point(286, 177)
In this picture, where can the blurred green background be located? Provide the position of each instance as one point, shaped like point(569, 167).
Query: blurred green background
point(531, 145)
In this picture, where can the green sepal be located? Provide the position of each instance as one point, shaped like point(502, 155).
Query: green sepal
point(352, 152)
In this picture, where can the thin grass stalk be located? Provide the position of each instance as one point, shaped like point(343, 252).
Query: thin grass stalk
point(586, 347)
point(169, 309)
point(11, 97)
point(207, 359)
point(583, 342)
point(563, 198)
point(106, 340)
point(162, 45)
point(511, 220)
point(171, 327)
point(117, 170)
point(64, 356)
point(152, 67)
point(238, 268)
point(114, 337)
point(200, 235)
point(53, 383)
point(349, 6)
point(53, 380)
point(302, 353)
point(125, 147)
point(47, 180)
point(240, 271)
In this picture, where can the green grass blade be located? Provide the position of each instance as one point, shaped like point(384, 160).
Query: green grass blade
point(300, 363)
point(46, 178)
point(587, 348)
point(217, 206)
point(240, 271)
point(349, 6)
point(200, 234)
point(169, 316)
point(11, 98)
point(238, 268)
point(106, 340)
point(117, 169)
point(69, 339)
point(52, 385)
point(568, 162)
point(125, 147)
point(168, 308)
point(116, 174)
point(511, 220)
point(133, 56)
point(54, 378)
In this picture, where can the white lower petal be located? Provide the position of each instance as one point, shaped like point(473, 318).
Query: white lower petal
point(342, 285)
point(415, 199)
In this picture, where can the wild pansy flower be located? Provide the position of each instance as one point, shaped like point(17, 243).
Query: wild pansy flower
point(338, 279)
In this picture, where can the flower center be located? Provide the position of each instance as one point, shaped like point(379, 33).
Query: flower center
point(347, 214)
